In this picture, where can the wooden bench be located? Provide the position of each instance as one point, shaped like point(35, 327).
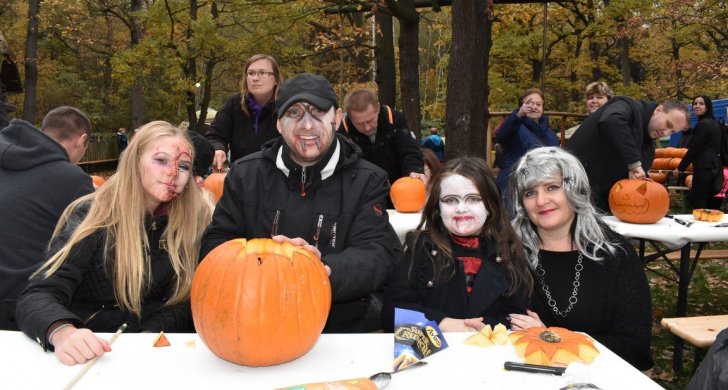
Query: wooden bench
point(698, 331)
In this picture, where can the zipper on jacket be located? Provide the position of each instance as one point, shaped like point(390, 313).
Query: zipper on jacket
point(303, 182)
point(318, 230)
point(274, 228)
point(332, 241)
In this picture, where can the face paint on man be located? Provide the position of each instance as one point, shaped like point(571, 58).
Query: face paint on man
point(461, 206)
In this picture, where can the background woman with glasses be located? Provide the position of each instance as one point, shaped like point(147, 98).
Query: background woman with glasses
point(246, 120)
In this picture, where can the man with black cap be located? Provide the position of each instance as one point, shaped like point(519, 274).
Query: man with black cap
point(311, 187)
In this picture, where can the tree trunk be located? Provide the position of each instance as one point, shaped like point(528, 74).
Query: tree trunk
point(137, 92)
point(190, 70)
point(409, 62)
point(386, 77)
point(466, 112)
point(107, 68)
point(624, 61)
point(30, 103)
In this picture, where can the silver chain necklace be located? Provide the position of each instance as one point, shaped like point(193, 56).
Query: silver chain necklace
point(540, 272)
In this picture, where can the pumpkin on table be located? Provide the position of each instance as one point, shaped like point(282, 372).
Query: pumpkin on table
point(408, 195)
point(553, 346)
point(215, 183)
point(260, 303)
point(639, 201)
point(98, 181)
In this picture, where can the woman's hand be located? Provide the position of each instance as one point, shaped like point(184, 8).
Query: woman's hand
point(525, 321)
point(457, 325)
point(298, 241)
point(75, 346)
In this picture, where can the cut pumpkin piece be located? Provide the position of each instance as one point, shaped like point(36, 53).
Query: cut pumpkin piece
point(161, 340)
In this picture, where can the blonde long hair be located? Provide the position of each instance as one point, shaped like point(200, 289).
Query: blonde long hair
point(118, 208)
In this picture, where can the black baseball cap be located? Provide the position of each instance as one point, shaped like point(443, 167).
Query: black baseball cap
point(307, 87)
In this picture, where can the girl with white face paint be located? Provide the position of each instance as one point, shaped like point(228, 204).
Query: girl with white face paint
point(463, 267)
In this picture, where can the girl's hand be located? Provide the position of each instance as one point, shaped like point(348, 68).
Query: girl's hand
point(75, 346)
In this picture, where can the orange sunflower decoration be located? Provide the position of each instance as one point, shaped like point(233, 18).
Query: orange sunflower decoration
point(553, 346)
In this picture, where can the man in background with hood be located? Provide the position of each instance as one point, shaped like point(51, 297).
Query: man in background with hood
point(38, 179)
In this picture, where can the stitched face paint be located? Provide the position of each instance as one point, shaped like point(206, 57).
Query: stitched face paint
point(308, 131)
point(165, 168)
point(461, 206)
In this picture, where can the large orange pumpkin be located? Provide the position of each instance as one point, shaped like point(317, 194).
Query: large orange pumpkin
point(258, 302)
point(215, 183)
point(639, 201)
point(553, 346)
point(408, 195)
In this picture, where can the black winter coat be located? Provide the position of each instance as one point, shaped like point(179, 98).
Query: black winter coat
point(233, 128)
point(394, 148)
point(611, 138)
point(412, 287)
point(344, 215)
point(81, 290)
point(37, 182)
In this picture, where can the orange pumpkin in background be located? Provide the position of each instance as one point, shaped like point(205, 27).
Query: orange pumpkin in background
point(680, 152)
point(408, 195)
point(260, 303)
point(675, 162)
point(215, 184)
point(689, 181)
point(658, 177)
point(639, 201)
point(661, 163)
point(553, 346)
point(98, 181)
point(659, 153)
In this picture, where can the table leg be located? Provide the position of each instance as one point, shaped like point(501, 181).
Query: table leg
point(682, 304)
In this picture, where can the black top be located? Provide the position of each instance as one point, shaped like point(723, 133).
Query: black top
point(233, 128)
point(413, 286)
point(395, 149)
point(613, 302)
point(37, 183)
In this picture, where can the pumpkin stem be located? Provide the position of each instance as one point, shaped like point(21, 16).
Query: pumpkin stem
point(549, 336)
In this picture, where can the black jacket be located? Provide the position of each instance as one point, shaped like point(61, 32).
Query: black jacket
point(343, 215)
point(394, 149)
point(704, 146)
point(37, 182)
point(82, 291)
point(611, 138)
point(411, 287)
point(620, 308)
point(233, 128)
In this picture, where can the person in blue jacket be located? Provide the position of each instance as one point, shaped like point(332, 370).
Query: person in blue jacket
point(524, 129)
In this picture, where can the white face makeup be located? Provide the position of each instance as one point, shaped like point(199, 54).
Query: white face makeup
point(461, 206)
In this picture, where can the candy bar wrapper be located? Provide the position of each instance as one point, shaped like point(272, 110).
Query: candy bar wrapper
point(415, 338)
point(349, 384)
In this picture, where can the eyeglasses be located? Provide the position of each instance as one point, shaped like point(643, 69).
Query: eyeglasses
point(298, 111)
point(260, 73)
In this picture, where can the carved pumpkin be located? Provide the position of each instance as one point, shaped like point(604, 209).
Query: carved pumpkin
point(258, 302)
point(638, 201)
point(215, 183)
point(553, 346)
point(658, 177)
point(98, 181)
point(408, 195)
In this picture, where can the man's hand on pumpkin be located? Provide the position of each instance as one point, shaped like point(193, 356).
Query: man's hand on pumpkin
point(637, 173)
point(298, 241)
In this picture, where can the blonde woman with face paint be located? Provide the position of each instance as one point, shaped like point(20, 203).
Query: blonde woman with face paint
point(123, 254)
point(463, 266)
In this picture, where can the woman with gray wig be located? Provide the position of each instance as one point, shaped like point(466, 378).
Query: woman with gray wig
point(588, 278)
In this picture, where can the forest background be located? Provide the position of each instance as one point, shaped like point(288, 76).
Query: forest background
point(128, 62)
